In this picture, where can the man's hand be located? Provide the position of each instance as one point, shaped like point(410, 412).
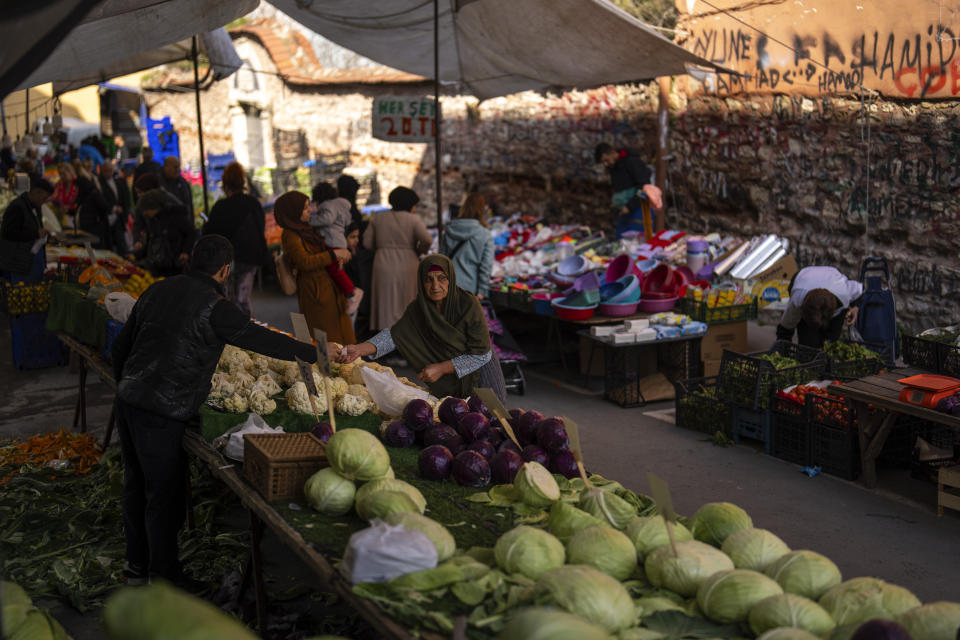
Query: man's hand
point(655, 195)
point(353, 351)
point(479, 296)
point(852, 314)
point(433, 372)
point(343, 255)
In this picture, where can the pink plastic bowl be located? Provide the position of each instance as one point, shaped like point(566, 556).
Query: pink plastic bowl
point(621, 266)
point(649, 305)
point(615, 310)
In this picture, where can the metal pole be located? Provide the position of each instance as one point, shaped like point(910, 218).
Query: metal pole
point(437, 118)
point(663, 145)
point(203, 160)
point(26, 119)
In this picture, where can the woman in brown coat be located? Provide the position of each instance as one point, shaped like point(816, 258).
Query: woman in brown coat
point(398, 237)
point(321, 302)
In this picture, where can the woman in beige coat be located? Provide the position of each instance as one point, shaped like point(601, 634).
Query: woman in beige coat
point(398, 237)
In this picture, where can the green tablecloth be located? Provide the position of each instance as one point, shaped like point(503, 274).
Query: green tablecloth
point(214, 423)
point(72, 313)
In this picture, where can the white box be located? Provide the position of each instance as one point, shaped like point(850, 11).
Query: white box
point(602, 330)
point(636, 325)
point(646, 335)
point(624, 337)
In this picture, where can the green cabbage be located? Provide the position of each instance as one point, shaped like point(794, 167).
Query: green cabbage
point(536, 486)
point(330, 493)
point(565, 520)
point(528, 551)
point(639, 633)
point(38, 625)
point(787, 633)
point(652, 604)
point(789, 610)
point(607, 506)
point(651, 532)
point(714, 521)
point(550, 624)
point(158, 611)
point(683, 573)
point(357, 455)
point(605, 549)
point(16, 604)
point(862, 599)
point(805, 573)
point(381, 504)
point(438, 534)
point(391, 484)
point(728, 596)
point(590, 594)
point(934, 621)
point(754, 548)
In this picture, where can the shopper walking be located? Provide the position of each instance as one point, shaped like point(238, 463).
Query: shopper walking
point(469, 245)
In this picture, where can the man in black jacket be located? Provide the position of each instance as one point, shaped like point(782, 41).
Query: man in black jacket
point(630, 179)
point(175, 185)
point(117, 194)
point(163, 360)
point(163, 237)
point(23, 219)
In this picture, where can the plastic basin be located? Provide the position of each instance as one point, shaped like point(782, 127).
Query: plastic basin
point(620, 266)
point(587, 298)
point(572, 313)
point(616, 310)
point(630, 291)
point(573, 266)
point(645, 266)
point(650, 305)
point(611, 290)
point(661, 280)
point(587, 281)
point(541, 302)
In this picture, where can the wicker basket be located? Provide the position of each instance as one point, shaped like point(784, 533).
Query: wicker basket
point(277, 464)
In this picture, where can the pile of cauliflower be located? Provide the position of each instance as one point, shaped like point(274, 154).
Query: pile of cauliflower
point(252, 382)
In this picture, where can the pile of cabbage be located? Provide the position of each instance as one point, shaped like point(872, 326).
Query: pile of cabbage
point(247, 381)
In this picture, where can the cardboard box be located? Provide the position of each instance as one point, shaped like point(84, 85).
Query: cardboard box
point(732, 336)
point(711, 367)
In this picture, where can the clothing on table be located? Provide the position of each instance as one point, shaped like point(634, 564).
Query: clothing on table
point(427, 335)
point(397, 237)
point(179, 189)
point(163, 360)
point(807, 279)
point(240, 219)
point(21, 221)
point(470, 246)
point(463, 365)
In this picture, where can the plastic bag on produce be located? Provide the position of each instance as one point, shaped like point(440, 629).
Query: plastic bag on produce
point(383, 552)
point(232, 440)
point(119, 305)
point(388, 393)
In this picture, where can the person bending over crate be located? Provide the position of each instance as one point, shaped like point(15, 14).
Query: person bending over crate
point(822, 301)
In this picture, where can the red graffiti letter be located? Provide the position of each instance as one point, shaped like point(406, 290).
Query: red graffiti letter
point(907, 91)
point(936, 79)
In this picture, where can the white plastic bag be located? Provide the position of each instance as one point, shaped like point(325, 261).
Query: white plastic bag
point(234, 436)
point(389, 394)
point(382, 552)
point(119, 305)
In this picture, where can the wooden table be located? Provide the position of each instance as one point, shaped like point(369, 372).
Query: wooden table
point(882, 391)
point(88, 359)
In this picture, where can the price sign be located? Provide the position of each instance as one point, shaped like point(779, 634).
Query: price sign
point(404, 119)
point(573, 434)
point(661, 496)
point(300, 328)
point(323, 357)
point(306, 374)
point(500, 412)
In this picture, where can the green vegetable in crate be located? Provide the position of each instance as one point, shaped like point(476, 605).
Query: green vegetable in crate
point(159, 611)
point(682, 573)
point(862, 599)
point(650, 533)
point(778, 361)
point(438, 534)
point(550, 624)
point(607, 506)
point(789, 610)
point(16, 604)
point(329, 493)
point(566, 520)
point(934, 621)
point(714, 521)
point(392, 484)
point(590, 594)
point(605, 549)
point(528, 551)
point(357, 455)
point(805, 573)
point(536, 486)
point(754, 548)
point(728, 596)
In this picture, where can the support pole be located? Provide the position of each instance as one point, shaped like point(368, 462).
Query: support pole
point(203, 158)
point(437, 117)
point(663, 132)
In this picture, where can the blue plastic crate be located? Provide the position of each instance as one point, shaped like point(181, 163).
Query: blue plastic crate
point(751, 424)
point(113, 330)
point(32, 345)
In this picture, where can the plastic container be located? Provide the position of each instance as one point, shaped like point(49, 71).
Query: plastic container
point(662, 280)
point(698, 252)
point(652, 305)
point(630, 291)
point(699, 408)
point(541, 302)
point(32, 346)
point(617, 310)
point(573, 267)
point(645, 266)
point(621, 266)
point(587, 298)
point(565, 312)
point(586, 282)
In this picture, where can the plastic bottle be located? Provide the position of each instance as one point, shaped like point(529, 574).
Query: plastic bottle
point(698, 252)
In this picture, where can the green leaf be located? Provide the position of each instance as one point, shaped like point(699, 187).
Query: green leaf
point(482, 497)
point(675, 625)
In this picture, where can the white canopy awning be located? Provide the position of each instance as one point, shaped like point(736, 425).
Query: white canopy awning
point(113, 33)
point(498, 47)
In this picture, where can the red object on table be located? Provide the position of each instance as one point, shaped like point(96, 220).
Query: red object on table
point(926, 390)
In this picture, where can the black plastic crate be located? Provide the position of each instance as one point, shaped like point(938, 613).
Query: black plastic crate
point(699, 408)
point(898, 449)
point(920, 353)
point(754, 425)
point(790, 431)
point(948, 359)
point(32, 346)
point(836, 450)
point(859, 368)
point(679, 359)
point(833, 412)
point(748, 380)
point(701, 311)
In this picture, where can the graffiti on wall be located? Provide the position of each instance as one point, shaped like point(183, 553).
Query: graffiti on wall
point(788, 49)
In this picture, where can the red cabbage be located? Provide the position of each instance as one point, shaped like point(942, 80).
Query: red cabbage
point(435, 462)
point(505, 465)
point(476, 405)
point(533, 453)
point(484, 448)
point(398, 434)
point(322, 430)
point(442, 434)
point(471, 470)
point(526, 427)
point(515, 415)
point(473, 426)
point(565, 464)
point(509, 445)
point(880, 630)
point(552, 435)
point(450, 411)
point(417, 414)
point(496, 435)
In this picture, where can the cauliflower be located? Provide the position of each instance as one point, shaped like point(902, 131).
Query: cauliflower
point(266, 386)
point(259, 365)
point(261, 404)
point(290, 375)
point(352, 405)
point(242, 381)
point(221, 384)
point(338, 387)
point(234, 360)
point(360, 391)
point(235, 404)
point(277, 365)
point(299, 401)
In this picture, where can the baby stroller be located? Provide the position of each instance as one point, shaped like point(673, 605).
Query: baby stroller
point(507, 350)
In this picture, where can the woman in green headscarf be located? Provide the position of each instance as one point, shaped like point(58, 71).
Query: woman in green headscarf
point(442, 334)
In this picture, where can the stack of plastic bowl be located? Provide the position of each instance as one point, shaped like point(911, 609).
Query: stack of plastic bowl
point(620, 266)
point(660, 289)
point(620, 298)
point(578, 306)
point(569, 269)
